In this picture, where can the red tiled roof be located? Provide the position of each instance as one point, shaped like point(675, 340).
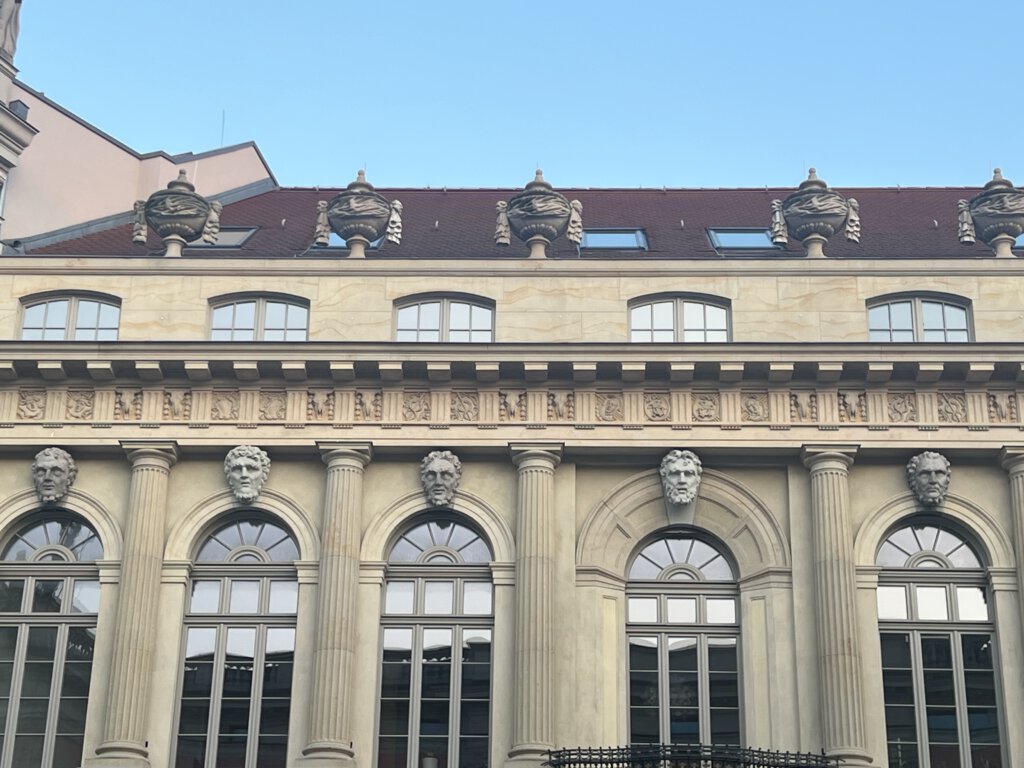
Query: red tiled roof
point(459, 223)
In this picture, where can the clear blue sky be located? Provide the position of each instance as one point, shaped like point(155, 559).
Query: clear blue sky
point(476, 94)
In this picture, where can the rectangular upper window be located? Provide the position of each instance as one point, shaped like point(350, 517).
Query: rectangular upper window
point(615, 239)
point(741, 239)
point(228, 237)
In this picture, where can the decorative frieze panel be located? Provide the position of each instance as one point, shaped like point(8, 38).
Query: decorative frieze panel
point(586, 406)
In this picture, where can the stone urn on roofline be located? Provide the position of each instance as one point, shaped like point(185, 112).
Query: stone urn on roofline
point(539, 215)
point(995, 215)
point(813, 214)
point(359, 215)
point(178, 214)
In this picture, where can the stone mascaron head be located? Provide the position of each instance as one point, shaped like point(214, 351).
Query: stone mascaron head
point(53, 474)
point(246, 468)
point(440, 472)
point(928, 475)
point(680, 476)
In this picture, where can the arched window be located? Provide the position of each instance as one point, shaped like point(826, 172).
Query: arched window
point(259, 318)
point(937, 643)
point(445, 318)
point(683, 633)
point(437, 622)
point(70, 317)
point(49, 599)
point(685, 317)
point(239, 647)
point(926, 317)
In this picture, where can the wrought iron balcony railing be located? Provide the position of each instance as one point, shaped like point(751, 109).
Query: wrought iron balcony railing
point(684, 756)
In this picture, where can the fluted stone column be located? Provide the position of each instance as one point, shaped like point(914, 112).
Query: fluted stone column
point(125, 732)
point(330, 739)
point(533, 716)
point(1012, 459)
point(835, 576)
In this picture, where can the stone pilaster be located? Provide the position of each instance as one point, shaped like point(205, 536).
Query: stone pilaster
point(1012, 459)
point(125, 732)
point(330, 739)
point(839, 666)
point(533, 716)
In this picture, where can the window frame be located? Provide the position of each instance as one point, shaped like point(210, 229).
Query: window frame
point(917, 300)
point(679, 302)
point(444, 330)
point(222, 620)
point(259, 328)
point(71, 322)
point(639, 234)
point(718, 245)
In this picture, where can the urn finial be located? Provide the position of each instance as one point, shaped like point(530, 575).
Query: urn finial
point(537, 215)
point(995, 215)
point(360, 215)
point(178, 214)
point(813, 214)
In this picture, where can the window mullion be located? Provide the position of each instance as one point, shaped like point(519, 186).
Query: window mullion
point(444, 321)
point(962, 723)
point(216, 696)
point(703, 688)
point(256, 696)
point(415, 696)
point(677, 315)
point(920, 706)
point(664, 703)
point(57, 675)
point(455, 696)
point(71, 321)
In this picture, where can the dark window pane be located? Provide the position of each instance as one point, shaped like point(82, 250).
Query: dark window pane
point(474, 718)
point(988, 756)
point(47, 596)
point(473, 753)
point(36, 681)
point(980, 688)
point(944, 755)
point(67, 751)
point(434, 717)
point(903, 755)
point(938, 688)
point(683, 690)
point(394, 717)
point(434, 747)
point(71, 716)
point(237, 678)
point(195, 716)
point(391, 752)
point(984, 725)
point(198, 679)
point(942, 725)
point(643, 653)
point(42, 642)
point(684, 725)
point(277, 679)
point(977, 651)
point(478, 650)
point(8, 639)
point(394, 681)
point(725, 726)
point(191, 752)
point(936, 652)
point(724, 691)
point(231, 752)
point(682, 656)
point(272, 752)
point(81, 643)
point(234, 716)
point(898, 685)
point(895, 650)
point(274, 716)
point(721, 658)
point(643, 725)
point(32, 716)
point(476, 681)
point(900, 724)
point(11, 591)
point(436, 681)
point(28, 750)
point(6, 672)
point(643, 689)
point(76, 678)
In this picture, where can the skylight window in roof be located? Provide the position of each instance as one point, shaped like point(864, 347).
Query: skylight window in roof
point(615, 239)
point(229, 237)
point(741, 239)
point(1020, 242)
point(336, 241)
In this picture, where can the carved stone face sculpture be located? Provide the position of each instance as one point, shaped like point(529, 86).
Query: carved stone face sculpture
point(680, 476)
point(53, 473)
point(246, 469)
point(440, 472)
point(928, 475)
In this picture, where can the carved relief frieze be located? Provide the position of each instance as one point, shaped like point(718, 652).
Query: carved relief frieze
point(416, 406)
point(225, 405)
point(853, 407)
point(369, 406)
point(1002, 407)
point(465, 406)
point(608, 406)
point(657, 406)
point(319, 405)
point(177, 404)
point(902, 407)
point(754, 406)
point(707, 407)
point(952, 407)
point(80, 404)
point(803, 407)
point(561, 406)
point(31, 404)
point(273, 406)
point(512, 406)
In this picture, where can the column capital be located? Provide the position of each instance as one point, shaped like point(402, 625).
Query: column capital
point(536, 455)
point(828, 456)
point(1012, 458)
point(162, 453)
point(345, 453)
